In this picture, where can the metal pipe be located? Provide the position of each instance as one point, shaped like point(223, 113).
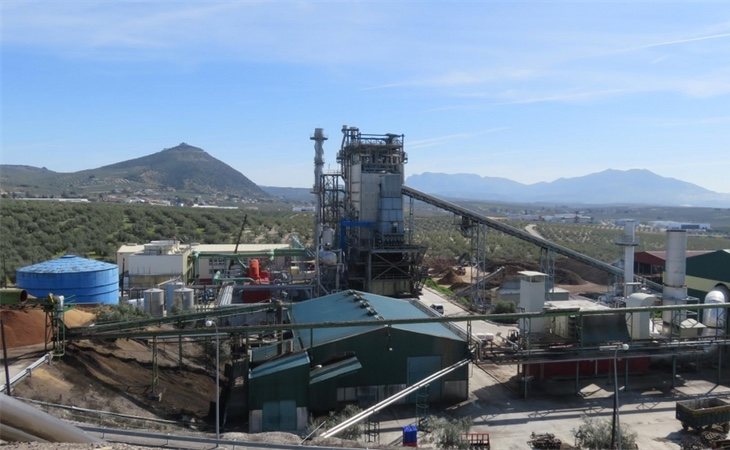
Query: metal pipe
point(615, 423)
point(13, 434)
point(375, 408)
point(211, 323)
point(38, 424)
point(5, 356)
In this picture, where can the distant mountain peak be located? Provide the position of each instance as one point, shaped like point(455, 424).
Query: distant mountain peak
point(183, 169)
point(184, 147)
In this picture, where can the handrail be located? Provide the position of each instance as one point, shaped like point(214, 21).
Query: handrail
point(28, 370)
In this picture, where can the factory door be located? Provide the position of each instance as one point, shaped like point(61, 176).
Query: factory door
point(419, 367)
point(280, 416)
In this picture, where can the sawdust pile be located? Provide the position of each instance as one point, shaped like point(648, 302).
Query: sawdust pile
point(117, 377)
point(28, 326)
point(24, 327)
point(450, 278)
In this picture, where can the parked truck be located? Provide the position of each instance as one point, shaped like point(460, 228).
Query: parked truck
point(704, 413)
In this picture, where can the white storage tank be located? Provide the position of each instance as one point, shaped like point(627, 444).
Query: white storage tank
point(328, 237)
point(328, 258)
point(715, 317)
point(639, 323)
point(154, 300)
point(532, 299)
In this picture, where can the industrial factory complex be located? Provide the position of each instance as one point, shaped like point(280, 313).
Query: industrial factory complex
point(312, 329)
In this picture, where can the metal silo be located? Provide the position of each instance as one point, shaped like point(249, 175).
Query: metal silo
point(170, 287)
point(184, 300)
point(154, 301)
point(78, 279)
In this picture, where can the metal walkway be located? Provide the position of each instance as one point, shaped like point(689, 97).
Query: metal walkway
point(520, 234)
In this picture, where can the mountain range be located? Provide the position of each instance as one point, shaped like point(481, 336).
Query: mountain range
point(635, 186)
point(188, 171)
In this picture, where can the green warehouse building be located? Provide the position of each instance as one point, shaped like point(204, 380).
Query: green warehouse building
point(707, 272)
point(323, 369)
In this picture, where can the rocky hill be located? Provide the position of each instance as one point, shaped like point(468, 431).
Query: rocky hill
point(180, 170)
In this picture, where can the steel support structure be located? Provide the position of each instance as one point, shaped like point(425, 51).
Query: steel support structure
point(155, 371)
point(477, 234)
point(547, 266)
point(519, 233)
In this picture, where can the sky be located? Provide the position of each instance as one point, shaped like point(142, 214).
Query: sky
point(527, 90)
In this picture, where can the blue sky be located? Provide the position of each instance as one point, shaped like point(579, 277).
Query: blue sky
point(528, 90)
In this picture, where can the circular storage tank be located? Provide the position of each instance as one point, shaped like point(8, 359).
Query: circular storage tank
point(170, 289)
point(154, 300)
point(78, 279)
point(328, 258)
point(136, 303)
point(715, 317)
point(184, 299)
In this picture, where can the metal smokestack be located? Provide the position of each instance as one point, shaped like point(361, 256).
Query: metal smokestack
point(318, 139)
point(676, 265)
point(628, 241)
point(675, 291)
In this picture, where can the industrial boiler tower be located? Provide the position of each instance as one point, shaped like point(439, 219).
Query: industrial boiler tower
point(361, 235)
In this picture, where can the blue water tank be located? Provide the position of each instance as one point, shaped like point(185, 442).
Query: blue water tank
point(78, 279)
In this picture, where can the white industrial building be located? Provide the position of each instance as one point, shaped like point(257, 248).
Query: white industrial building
point(161, 260)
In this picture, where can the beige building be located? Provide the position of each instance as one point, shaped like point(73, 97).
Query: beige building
point(147, 265)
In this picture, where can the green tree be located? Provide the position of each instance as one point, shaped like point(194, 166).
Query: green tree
point(595, 434)
point(449, 433)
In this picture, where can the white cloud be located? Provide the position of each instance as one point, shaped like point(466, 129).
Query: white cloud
point(439, 140)
point(676, 42)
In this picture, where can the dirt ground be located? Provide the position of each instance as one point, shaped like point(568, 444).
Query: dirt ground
point(117, 377)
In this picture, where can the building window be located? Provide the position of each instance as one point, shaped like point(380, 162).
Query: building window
point(346, 394)
point(216, 264)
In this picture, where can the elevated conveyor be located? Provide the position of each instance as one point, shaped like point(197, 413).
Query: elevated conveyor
point(520, 234)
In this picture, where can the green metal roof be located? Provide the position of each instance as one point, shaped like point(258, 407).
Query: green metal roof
point(266, 352)
point(712, 266)
point(337, 369)
point(355, 305)
point(280, 365)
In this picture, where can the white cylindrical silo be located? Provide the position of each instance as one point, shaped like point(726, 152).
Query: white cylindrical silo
point(154, 300)
point(715, 317)
point(532, 299)
point(328, 258)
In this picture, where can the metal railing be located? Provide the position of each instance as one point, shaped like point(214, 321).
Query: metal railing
point(28, 370)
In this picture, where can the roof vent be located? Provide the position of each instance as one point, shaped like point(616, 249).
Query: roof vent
point(364, 304)
point(371, 312)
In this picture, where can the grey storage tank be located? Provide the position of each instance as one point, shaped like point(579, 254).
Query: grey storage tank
point(154, 301)
point(79, 280)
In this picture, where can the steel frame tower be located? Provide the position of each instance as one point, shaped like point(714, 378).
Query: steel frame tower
point(363, 203)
